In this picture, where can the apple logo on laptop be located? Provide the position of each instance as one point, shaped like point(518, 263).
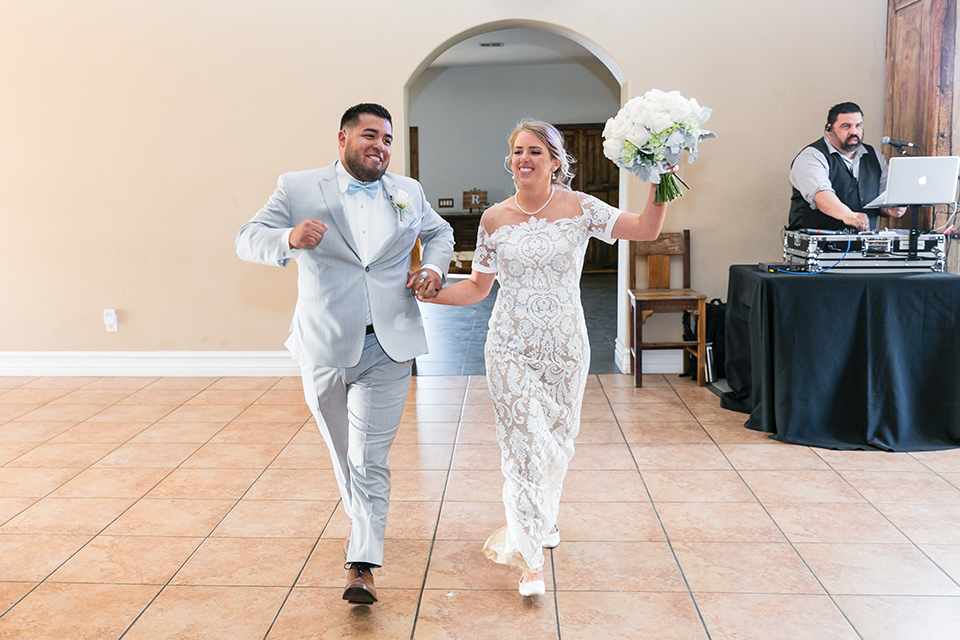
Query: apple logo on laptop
point(922, 180)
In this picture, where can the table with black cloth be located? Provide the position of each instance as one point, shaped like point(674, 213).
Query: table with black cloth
point(846, 360)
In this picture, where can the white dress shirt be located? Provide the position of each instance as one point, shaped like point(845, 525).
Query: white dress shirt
point(372, 222)
point(810, 172)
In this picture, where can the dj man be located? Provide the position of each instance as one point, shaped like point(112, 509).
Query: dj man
point(835, 176)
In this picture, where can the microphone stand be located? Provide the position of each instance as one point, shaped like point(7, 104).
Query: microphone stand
point(903, 150)
point(913, 211)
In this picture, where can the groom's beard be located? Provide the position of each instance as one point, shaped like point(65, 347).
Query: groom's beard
point(358, 166)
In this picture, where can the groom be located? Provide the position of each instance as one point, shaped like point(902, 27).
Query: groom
point(351, 227)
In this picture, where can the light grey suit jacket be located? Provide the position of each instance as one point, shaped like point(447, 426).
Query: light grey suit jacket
point(333, 284)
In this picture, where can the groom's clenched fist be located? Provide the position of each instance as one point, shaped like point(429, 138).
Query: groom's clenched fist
point(307, 234)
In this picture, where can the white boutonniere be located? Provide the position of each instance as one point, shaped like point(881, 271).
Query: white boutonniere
point(402, 201)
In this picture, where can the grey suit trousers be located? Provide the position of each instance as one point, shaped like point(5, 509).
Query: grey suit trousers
point(358, 410)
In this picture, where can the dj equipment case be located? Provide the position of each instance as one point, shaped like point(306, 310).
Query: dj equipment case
point(816, 250)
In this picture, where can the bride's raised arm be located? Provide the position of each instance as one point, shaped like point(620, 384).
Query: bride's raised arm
point(643, 226)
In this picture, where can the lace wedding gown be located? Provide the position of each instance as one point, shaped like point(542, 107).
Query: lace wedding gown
point(537, 358)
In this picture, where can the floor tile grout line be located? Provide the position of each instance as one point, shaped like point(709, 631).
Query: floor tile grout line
point(219, 522)
point(138, 500)
point(873, 504)
point(203, 538)
point(914, 543)
point(32, 379)
point(300, 573)
point(97, 534)
point(790, 542)
point(556, 593)
point(160, 590)
point(442, 502)
point(436, 526)
point(120, 444)
point(663, 529)
point(86, 420)
point(4, 391)
point(93, 537)
point(949, 576)
point(779, 528)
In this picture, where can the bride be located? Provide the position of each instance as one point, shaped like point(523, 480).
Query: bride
point(537, 354)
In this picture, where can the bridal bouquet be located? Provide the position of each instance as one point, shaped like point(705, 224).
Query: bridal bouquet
point(649, 133)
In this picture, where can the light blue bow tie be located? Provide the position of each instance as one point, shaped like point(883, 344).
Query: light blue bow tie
point(369, 188)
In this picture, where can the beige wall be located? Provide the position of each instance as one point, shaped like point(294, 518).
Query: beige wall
point(136, 137)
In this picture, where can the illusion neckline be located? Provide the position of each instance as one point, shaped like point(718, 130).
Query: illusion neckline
point(531, 220)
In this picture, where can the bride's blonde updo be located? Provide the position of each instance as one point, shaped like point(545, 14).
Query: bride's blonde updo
point(553, 140)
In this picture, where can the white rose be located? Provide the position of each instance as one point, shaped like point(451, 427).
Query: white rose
point(639, 112)
point(613, 148)
point(660, 121)
point(608, 128)
point(634, 105)
point(638, 136)
point(655, 98)
point(678, 107)
point(621, 125)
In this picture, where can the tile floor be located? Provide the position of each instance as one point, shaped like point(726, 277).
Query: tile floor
point(200, 508)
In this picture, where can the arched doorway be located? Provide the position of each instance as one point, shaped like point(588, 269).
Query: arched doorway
point(465, 98)
point(471, 90)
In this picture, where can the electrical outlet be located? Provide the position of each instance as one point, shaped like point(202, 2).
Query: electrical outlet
point(110, 319)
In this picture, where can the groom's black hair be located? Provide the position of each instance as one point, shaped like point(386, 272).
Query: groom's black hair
point(843, 107)
point(352, 115)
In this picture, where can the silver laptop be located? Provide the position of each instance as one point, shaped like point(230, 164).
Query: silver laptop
point(919, 180)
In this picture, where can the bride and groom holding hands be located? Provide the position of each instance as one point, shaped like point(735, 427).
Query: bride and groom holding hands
point(356, 327)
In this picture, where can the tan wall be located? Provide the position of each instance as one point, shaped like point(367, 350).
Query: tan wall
point(136, 137)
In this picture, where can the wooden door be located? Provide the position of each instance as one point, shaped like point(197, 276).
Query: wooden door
point(599, 177)
point(921, 50)
point(414, 142)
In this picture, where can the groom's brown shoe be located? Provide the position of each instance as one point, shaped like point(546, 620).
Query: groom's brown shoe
point(359, 585)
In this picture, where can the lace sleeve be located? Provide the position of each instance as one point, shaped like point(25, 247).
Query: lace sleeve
point(600, 217)
point(485, 255)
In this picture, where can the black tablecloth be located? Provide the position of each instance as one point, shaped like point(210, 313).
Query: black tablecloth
point(846, 360)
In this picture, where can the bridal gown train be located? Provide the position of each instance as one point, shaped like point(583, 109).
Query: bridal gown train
point(537, 357)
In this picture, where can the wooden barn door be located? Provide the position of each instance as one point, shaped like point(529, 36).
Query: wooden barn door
point(597, 176)
point(921, 54)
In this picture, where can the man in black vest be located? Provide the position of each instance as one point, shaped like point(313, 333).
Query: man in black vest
point(835, 176)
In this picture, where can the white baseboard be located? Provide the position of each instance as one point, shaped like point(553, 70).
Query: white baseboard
point(666, 361)
point(148, 363)
point(621, 357)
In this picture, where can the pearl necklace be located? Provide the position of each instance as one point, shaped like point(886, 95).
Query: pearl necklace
point(533, 213)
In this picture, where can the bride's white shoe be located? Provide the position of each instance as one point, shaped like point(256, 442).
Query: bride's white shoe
point(532, 587)
point(552, 539)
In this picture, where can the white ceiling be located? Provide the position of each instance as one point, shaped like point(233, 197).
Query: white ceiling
point(520, 46)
